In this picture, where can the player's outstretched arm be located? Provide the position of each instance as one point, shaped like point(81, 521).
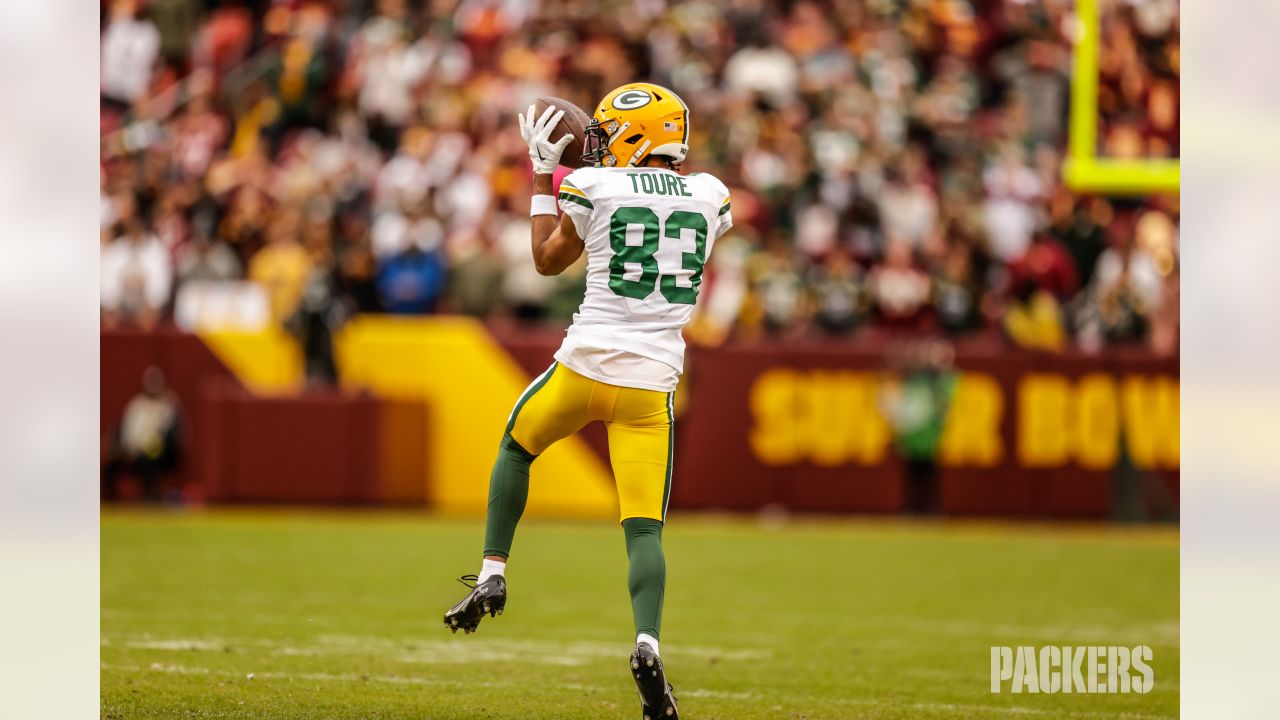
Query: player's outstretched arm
point(555, 246)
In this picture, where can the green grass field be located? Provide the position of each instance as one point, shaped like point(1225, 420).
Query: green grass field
point(282, 614)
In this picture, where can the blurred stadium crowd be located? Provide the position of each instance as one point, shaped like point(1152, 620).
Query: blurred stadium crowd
point(894, 164)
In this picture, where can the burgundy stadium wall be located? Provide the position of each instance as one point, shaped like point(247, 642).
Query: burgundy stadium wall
point(313, 448)
point(760, 425)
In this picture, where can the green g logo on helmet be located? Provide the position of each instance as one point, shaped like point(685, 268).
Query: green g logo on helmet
point(632, 99)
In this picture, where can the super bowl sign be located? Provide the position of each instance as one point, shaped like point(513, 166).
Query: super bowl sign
point(832, 429)
point(836, 417)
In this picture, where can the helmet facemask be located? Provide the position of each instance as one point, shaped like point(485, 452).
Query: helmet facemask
point(602, 139)
point(595, 145)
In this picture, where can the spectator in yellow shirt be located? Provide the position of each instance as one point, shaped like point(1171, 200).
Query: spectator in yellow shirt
point(281, 266)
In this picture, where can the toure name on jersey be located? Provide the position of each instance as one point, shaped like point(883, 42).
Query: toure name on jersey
point(654, 184)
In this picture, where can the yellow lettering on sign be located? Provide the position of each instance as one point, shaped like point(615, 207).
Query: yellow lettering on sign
point(1150, 411)
point(834, 418)
point(870, 433)
point(971, 435)
point(1097, 422)
point(1060, 422)
point(1044, 401)
point(830, 422)
point(829, 418)
point(775, 432)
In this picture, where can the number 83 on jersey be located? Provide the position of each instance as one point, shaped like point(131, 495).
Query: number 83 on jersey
point(652, 231)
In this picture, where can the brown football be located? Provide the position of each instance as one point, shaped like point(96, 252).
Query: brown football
point(574, 123)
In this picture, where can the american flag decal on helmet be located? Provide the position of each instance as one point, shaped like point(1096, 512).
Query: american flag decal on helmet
point(669, 127)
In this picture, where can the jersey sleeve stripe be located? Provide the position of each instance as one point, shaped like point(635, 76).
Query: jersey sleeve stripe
point(576, 199)
point(566, 187)
point(724, 208)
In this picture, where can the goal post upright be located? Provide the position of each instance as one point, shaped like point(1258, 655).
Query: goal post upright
point(1083, 170)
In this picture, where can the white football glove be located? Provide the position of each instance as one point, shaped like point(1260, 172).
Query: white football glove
point(537, 135)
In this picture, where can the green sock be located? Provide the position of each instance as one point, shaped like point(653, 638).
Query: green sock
point(647, 579)
point(508, 493)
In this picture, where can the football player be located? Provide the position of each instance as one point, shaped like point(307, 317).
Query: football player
point(647, 230)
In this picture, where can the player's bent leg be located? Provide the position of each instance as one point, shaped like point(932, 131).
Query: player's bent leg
point(508, 494)
point(551, 408)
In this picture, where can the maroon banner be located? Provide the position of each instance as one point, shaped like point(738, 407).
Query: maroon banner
point(816, 426)
point(314, 447)
point(319, 447)
point(865, 426)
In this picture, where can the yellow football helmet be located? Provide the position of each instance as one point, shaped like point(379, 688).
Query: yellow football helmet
point(635, 121)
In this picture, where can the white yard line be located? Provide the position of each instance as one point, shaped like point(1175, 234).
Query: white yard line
point(205, 644)
point(422, 651)
point(1159, 633)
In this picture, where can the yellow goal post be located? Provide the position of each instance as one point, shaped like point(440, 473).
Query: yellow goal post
point(1084, 170)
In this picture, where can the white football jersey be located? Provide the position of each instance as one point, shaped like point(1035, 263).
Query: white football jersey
point(648, 233)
